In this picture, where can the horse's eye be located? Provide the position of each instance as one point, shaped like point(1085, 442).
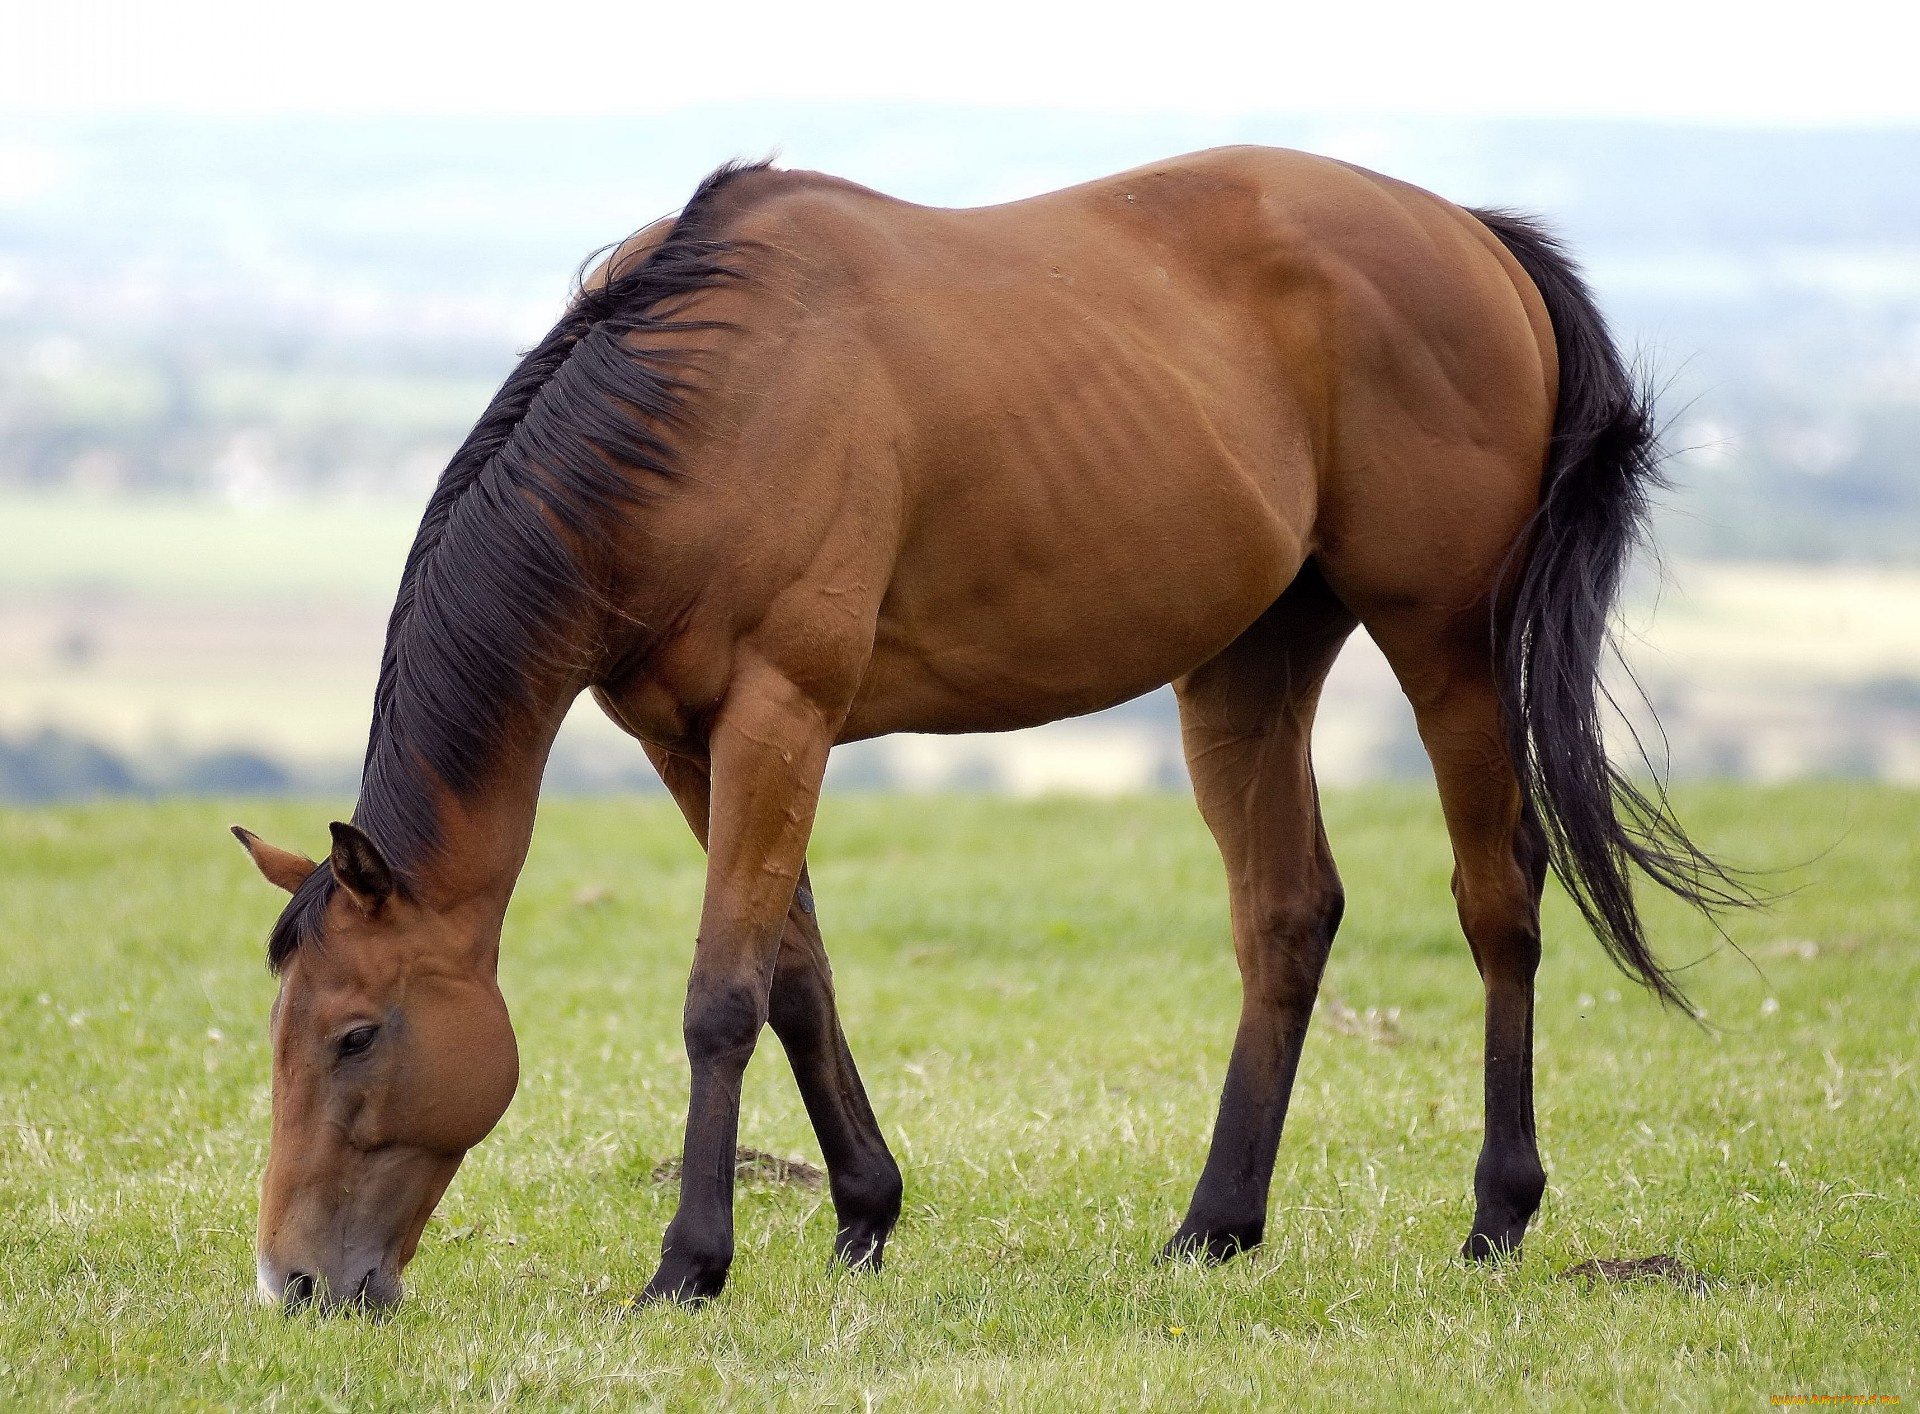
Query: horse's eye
point(356, 1040)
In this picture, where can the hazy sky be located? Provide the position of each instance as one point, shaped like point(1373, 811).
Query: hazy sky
point(1837, 61)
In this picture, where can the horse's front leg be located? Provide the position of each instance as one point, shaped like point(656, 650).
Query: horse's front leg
point(860, 1168)
point(768, 749)
point(861, 1171)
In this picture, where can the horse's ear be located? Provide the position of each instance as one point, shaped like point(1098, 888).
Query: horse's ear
point(358, 867)
point(282, 867)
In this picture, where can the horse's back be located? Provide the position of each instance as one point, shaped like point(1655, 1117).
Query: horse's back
point(1107, 425)
point(1274, 295)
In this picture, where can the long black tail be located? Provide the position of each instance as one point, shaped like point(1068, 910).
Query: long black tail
point(1559, 591)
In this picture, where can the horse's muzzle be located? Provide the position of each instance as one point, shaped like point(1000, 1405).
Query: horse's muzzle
point(374, 1290)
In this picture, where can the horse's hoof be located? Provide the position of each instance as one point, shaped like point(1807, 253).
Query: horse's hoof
point(688, 1285)
point(860, 1251)
point(1209, 1248)
point(1492, 1248)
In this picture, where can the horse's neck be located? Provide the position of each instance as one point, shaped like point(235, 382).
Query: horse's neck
point(485, 834)
point(460, 742)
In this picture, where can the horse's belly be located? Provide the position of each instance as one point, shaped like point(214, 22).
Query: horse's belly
point(1029, 593)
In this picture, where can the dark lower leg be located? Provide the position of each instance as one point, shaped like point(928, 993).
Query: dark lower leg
point(1228, 1213)
point(861, 1172)
point(722, 1024)
point(1509, 1179)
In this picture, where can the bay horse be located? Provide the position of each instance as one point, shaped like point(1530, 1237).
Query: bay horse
point(806, 464)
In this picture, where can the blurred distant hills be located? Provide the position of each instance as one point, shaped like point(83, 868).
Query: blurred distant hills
point(264, 309)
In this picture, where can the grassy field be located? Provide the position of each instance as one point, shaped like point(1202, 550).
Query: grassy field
point(1041, 996)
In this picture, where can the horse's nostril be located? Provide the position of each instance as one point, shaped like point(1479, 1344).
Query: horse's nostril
point(300, 1290)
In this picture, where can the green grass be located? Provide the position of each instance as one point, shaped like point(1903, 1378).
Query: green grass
point(1041, 997)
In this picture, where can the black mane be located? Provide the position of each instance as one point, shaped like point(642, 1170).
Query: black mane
point(494, 571)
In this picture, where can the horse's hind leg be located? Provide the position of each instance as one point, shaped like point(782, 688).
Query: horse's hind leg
point(1246, 717)
point(861, 1172)
point(1445, 664)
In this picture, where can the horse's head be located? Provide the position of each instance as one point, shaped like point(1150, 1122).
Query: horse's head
point(392, 1056)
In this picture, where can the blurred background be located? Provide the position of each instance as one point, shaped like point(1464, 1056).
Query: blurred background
point(259, 271)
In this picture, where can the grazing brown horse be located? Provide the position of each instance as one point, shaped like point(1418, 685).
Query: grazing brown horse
point(808, 464)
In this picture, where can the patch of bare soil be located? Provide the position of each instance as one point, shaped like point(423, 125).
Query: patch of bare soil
point(1659, 1267)
point(754, 1166)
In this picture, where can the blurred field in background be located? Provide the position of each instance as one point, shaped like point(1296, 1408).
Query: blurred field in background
point(221, 648)
point(234, 355)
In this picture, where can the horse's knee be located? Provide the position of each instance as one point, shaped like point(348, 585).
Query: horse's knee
point(801, 1008)
point(722, 1022)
